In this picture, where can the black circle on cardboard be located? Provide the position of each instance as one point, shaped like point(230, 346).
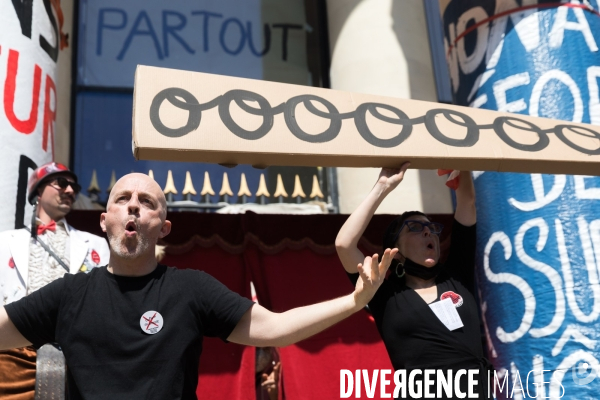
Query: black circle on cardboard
point(334, 116)
point(559, 131)
point(264, 109)
point(360, 120)
point(190, 104)
point(541, 144)
point(472, 129)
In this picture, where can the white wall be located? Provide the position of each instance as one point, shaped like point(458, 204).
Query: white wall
point(381, 47)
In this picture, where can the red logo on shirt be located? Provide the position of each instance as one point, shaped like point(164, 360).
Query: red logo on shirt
point(11, 263)
point(95, 257)
point(457, 299)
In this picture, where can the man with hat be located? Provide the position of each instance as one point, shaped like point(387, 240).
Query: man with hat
point(34, 256)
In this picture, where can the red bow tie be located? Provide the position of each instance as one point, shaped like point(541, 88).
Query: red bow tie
point(48, 227)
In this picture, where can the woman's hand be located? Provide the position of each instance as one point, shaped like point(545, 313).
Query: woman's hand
point(391, 177)
point(372, 274)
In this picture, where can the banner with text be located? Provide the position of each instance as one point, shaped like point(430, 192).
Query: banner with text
point(262, 39)
point(31, 37)
point(538, 235)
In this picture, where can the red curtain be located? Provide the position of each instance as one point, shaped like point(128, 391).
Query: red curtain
point(226, 369)
point(292, 262)
point(294, 278)
point(286, 279)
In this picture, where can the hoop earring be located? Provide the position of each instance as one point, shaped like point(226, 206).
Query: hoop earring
point(403, 271)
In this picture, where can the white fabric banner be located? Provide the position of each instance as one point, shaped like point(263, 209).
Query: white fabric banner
point(30, 41)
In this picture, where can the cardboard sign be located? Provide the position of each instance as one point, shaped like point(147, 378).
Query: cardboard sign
point(191, 116)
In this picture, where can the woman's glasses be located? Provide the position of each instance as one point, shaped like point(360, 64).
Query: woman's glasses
point(418, 226)
point(63, 183)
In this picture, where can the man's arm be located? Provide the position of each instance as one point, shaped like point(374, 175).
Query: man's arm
point(10, 337)
point(261, 327)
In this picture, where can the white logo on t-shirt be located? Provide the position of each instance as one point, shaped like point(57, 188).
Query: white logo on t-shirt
point(151, 322)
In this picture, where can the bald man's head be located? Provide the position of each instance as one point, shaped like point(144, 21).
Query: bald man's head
point(136, 180)
point(135, 217)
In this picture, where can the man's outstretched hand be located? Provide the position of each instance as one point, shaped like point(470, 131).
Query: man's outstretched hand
point(372, 273)
point(261, 327)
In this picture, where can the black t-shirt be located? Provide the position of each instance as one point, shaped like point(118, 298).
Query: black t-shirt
point(413, 335)
point(96, 319)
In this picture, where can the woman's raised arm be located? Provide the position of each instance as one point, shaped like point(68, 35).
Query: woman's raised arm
point(465, 212)
point(346, 242)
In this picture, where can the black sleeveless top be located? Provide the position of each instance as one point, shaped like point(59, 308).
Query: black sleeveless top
point(413, 335)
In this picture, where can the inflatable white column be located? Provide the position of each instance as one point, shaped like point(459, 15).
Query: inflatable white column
point(381, 47)
point(30, 41)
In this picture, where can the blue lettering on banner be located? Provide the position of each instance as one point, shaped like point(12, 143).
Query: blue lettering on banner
point(142, 17)
point(207, 16)
point(115, 37)
point(241, 34)
point(267, 34)
point(171, 30)
point(538, 235)
point(234, 36)
point(103, 24)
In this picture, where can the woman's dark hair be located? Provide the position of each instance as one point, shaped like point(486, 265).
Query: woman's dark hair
point(390, 237)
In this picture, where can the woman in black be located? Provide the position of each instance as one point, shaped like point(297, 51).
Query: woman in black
point(414, 336)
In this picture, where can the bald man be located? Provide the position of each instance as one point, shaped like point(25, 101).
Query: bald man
point(134, 328)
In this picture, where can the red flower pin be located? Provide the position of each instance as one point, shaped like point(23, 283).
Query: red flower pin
point(457, 299)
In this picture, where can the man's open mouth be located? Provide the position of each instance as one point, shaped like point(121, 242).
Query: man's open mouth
point(131, 227)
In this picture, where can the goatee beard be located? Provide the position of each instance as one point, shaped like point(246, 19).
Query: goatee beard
point(128, 250)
